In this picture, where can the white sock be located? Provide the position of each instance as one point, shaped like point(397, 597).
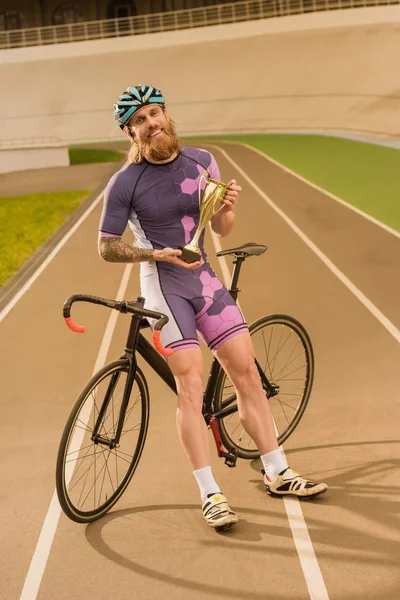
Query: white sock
point(274, 463)
point(206, 482)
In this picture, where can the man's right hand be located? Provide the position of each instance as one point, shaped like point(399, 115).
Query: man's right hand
point(172, 256)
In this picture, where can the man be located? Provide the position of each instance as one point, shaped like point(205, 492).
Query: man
point(157, 194)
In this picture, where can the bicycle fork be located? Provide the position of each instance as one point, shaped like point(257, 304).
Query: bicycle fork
point(113, 442)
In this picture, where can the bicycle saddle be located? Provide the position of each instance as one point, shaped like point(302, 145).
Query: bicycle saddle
point(249, 249)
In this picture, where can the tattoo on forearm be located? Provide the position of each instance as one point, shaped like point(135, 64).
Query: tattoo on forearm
point(113, 249)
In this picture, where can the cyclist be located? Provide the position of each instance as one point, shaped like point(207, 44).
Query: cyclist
point(157, 195)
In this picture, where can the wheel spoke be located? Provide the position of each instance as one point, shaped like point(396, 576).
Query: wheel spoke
point(281, 404)
point(84, 426)
point(107, 471)
point(279, 347)
point(287, 394)
point(79, 450)
point(237, 426)
point(82, 504)
point(280, 376)
point(119, 452)
point(87, 472)
point(267, 351)
point(134, 428)
point(73, 485)
point(77, 468)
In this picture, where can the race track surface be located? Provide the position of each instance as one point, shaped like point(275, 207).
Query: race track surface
point(154, 544)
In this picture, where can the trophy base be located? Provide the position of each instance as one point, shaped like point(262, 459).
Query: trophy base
point(188, 255)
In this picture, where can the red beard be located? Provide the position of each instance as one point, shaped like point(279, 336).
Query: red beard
point(163, 146)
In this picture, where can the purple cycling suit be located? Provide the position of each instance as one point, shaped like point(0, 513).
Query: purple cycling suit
point(161, 205)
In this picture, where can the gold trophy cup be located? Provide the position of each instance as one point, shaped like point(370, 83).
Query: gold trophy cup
point(210, 203)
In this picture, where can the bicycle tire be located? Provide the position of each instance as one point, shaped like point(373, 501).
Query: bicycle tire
point(67, 473)
point(232, 440)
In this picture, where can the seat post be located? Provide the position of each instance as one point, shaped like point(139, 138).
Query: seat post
point(237, 263)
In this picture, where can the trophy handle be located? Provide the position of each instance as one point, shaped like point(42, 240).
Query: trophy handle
point(202, 177)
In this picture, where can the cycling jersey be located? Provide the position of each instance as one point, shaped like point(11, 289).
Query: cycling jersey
point(160, 202)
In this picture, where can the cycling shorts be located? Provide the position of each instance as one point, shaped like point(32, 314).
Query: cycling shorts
point(196, 302)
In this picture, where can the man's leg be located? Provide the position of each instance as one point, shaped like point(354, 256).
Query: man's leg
point(237, 359)
point(187, 367)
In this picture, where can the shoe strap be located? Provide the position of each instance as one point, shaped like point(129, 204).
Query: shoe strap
point(213, 501)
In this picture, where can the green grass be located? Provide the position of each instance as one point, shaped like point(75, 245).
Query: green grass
point(364, 175)
point(81, 156)
point(26, 222)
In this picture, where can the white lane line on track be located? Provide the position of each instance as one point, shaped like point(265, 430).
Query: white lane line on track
point(46, 537)
point(374, 310)
point(319, 189)
point(305, 550)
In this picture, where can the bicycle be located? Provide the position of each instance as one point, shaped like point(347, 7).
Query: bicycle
point(106, 431)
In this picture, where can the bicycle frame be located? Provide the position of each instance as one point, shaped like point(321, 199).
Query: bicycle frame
point(136, 342)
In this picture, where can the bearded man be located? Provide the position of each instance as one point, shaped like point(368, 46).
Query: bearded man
point(157, 195)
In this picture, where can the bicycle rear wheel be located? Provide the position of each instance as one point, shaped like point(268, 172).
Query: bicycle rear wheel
point(284, 356)
point(91, 476)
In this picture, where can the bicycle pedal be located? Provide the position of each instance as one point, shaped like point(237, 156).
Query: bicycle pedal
point(230, 459)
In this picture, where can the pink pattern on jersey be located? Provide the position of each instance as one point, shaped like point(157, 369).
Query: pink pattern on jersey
point(188, 226)
point(189, 186)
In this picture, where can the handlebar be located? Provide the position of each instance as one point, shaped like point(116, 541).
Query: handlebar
point(135, 308)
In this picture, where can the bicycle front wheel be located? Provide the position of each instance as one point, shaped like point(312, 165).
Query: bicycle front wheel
point(91, 476)
point(285, 360)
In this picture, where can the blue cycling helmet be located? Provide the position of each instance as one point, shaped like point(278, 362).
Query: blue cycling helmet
point(132, 99)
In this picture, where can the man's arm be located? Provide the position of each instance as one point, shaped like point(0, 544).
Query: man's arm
point(114, 249)
point(223, 221)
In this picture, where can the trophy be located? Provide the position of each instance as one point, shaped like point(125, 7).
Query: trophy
point(210, 203)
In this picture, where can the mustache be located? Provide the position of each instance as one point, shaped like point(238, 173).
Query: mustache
point(168, 129)
point(149, 135)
